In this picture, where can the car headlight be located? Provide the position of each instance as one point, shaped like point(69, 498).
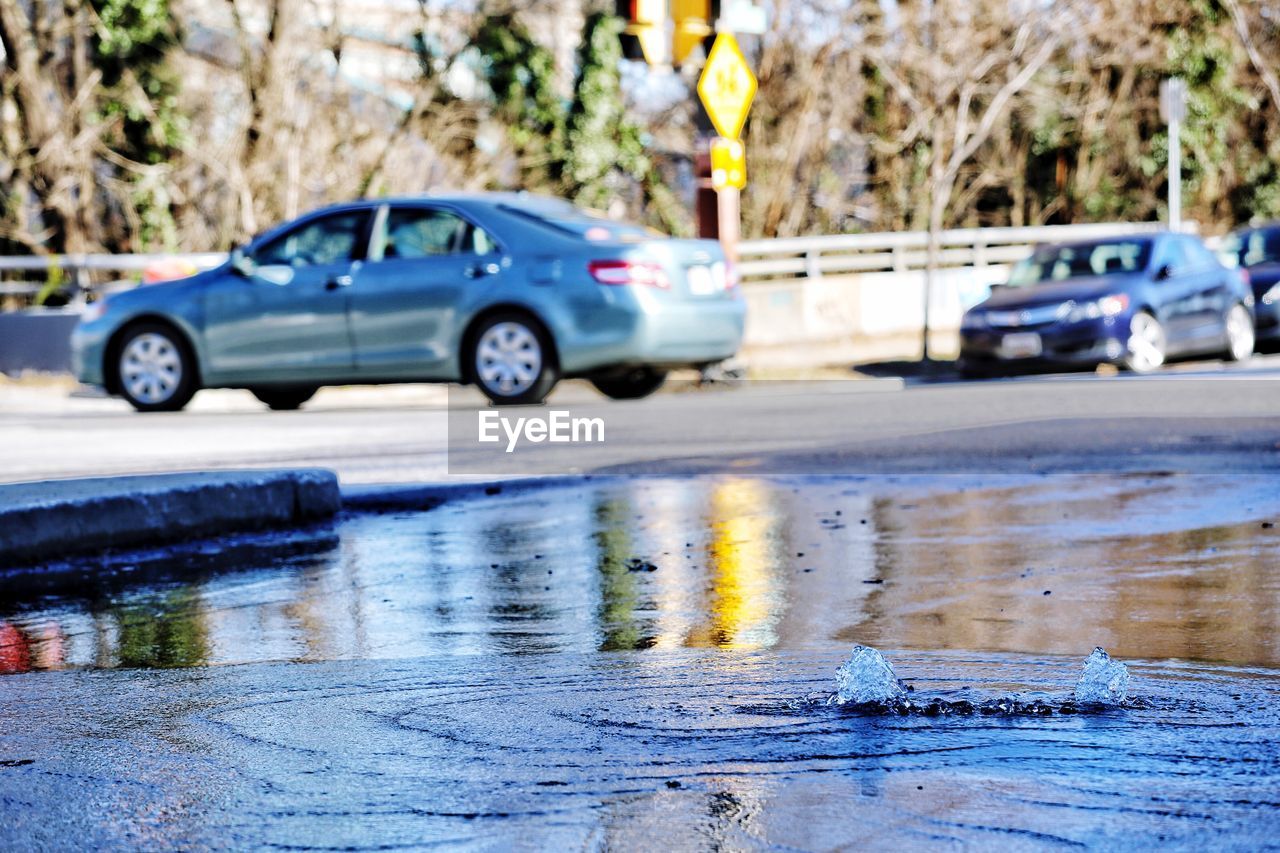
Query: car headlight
point(1272, 296)
point(93, 311)
point(1107, 306)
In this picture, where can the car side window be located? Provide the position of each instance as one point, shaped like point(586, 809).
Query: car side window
point(1259, 247)
point(327, 240)
point(478, 241)
point(421, 232)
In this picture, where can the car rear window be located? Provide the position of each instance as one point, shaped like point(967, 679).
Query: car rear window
point(1081, 260)
point(590, 225)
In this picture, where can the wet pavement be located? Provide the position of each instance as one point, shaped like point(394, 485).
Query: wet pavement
point(646, 662)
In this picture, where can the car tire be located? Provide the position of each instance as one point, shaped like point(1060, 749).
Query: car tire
point(511, 359)
point(155, 368)
point(1146, 345)
point(1241, 337)
point(631, 384)
point(970, 370)
point(284, 399)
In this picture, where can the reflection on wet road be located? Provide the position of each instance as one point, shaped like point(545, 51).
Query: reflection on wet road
point(1149, 567)
point(644, 663)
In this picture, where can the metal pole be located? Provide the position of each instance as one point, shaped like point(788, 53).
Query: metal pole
point(1175, 170)
point(728, 205)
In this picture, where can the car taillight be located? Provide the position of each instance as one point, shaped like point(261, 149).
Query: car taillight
point(629, 272)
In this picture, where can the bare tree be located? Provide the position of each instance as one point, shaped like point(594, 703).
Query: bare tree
point(49, 152)
point(958, 66)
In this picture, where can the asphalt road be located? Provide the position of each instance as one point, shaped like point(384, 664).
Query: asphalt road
point(1197, 418)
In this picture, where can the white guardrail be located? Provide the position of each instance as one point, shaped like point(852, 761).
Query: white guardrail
point(91, 272)
point(813, 257)
point(789, 257)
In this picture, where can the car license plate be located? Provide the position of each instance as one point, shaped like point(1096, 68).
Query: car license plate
point(701, 282)
point(1020, 345)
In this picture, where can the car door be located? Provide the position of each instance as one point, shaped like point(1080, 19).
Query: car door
point(1177, 291)
point(407, 298)
point(1214, 293)
point(285, 318)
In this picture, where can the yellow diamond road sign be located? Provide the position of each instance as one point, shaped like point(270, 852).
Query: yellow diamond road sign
point(727, 86)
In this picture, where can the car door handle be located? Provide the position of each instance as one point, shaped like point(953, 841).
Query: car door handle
point(481, 270)
point(338, 281)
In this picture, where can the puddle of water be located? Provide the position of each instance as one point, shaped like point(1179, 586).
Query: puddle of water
point(694, 748)
point(1151, 567)
point(647, 663)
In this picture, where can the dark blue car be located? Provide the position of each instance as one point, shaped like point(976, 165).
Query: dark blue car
point(1131, 301)
point(1256, 251)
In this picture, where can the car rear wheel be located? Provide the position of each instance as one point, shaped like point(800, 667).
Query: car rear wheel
point(1240, 333)
point(1147, 344)
point(284, 399)
point(631, 384)
point(512, 360)
point(156, 370)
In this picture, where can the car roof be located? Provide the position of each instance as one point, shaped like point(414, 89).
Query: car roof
point(1146, 236)
point(485, 198)
point(1249, 229)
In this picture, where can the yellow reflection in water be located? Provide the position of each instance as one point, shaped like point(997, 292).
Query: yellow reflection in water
point(744, 605)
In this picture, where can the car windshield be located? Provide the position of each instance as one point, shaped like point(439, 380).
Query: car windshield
point(585, 224)
point(1080, 260)
point(1250, 248)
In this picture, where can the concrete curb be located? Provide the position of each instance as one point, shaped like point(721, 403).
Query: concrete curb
point(54, 519)
point(392, 498)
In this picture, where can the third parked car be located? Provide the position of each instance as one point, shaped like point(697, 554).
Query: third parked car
point(1256, 251)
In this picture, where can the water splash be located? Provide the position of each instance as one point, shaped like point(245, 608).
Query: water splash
point(1104, 681)
point(866, 683)
point(867, 678)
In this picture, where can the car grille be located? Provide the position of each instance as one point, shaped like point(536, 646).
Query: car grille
point(1028, 316)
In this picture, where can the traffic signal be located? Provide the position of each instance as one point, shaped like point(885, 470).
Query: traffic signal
point(692, 19)
point(645, 35)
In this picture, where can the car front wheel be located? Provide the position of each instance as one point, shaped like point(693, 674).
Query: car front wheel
point(156, 370)
point(1240, 334)
point(1146, 345)
point(512, 360)
point(631, 384)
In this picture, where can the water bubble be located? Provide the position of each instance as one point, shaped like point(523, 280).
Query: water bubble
point(1104, 681)
point(866, 677)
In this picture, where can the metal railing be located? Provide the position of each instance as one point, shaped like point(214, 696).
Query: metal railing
point(813, 257)
point(88, 273)
point(761, 260)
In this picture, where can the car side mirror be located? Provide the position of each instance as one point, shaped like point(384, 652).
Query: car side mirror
point(1164, 273)
point(280, 274)
point(242, 263)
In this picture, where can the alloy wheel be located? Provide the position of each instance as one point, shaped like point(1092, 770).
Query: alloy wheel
point(1146, 343)
point(508, 358)
point(151, 368)
point(1240, 334)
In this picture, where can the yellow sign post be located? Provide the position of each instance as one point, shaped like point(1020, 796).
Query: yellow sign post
point(727, 86)
point(728, 164)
